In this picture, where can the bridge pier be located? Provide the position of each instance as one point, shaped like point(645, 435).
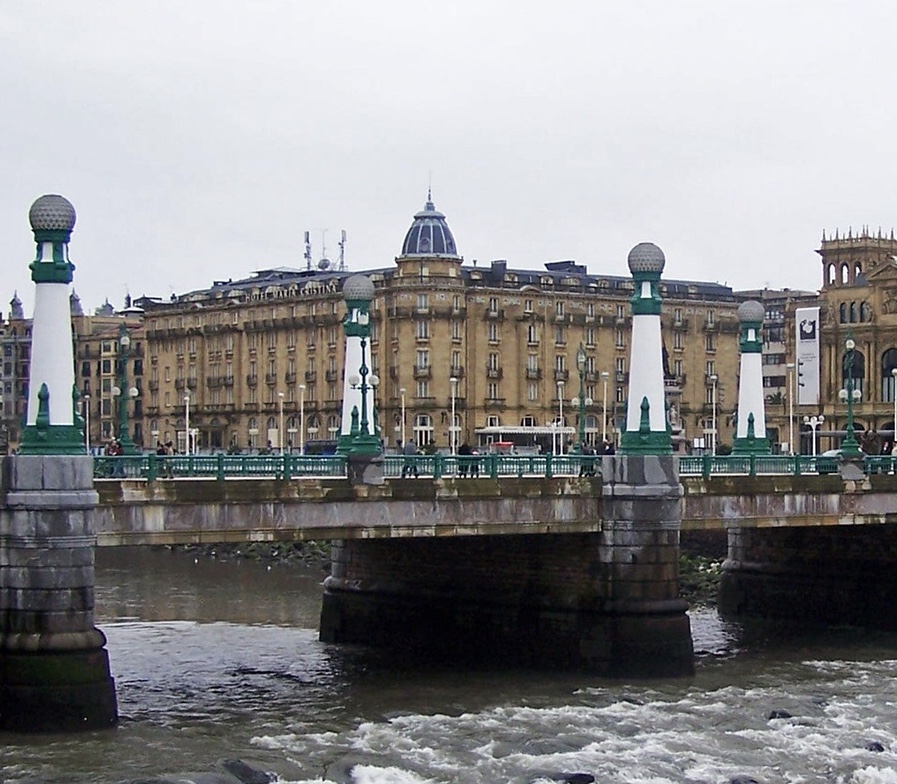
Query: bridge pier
point(606, 602)
point(831, 574)
point(54, 669)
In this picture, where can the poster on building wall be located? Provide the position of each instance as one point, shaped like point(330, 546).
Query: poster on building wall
point(807, 325)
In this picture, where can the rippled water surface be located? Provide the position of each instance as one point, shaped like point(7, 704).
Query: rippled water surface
point(217, 660)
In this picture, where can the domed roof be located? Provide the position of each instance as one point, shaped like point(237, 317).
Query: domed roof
point(358, 287)
point(751, 311)
point(52, 213)
point(429, 234)
point(646, 257)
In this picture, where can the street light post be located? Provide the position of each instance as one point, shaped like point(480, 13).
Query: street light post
point(280, 424)
point(302, 419)
point(402, 393)
point(790, 367)
point(604, 377)
point(580, 400)
point(86, 400)
point(560, 418)
point(188, 449)
point(850, 447)
point(453, 436)
point(814, 422)
point(713, 380)
point(124, 393)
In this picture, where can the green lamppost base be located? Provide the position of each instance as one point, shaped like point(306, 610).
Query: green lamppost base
point(52, 440)
point(651, 443)
point(751, 446)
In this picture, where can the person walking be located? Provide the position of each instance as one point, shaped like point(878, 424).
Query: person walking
point(409, 464)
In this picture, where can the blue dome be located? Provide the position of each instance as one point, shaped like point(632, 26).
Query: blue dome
point(429, 234)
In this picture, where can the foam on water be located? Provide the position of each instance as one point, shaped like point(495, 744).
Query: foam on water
point(646, 737)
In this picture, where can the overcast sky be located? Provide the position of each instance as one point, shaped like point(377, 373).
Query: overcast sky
point(199, 139)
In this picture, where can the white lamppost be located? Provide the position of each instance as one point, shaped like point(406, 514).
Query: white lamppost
point(302, 419)
point(814, 422)
point(790, 367)
point(402, 393)
point(604, 377)
point(713, 380)
point(894, 439)
point(87, 422)
point(453, 438)
point(280, 424)
point(560, 418)
point(188, 449)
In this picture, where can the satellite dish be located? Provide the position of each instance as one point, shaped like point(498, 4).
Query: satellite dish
point(324, 263)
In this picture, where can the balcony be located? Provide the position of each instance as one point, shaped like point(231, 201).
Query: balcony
point(423, 371)
point(621, 377)
point(561, 375)
point(252, 380)
point(191, 382)
point(331, 376)
point(179, 383)
point(493, 372)
point(153, 384)
point(533, 374)
point(290, 378)
point(494, 402)
point(495, 315)
point(270, 379)
point(311, 376)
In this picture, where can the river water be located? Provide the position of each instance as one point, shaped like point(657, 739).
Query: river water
point(220, 660)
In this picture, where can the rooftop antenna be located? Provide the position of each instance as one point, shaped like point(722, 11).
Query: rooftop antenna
point(307, 256)
point(324, 263)
point(342, 251)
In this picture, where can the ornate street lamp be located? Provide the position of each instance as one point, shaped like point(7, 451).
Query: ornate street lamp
point(361, 439)
point(850, 447)
point(581, 400)
point(814, 422)
point(123, 393)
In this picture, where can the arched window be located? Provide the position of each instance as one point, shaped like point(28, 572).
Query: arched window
point(853, 313)
point(845, 274)
point(528, 421)
point(888, 379)
point(333, 426)
point(423, 429)
point(842, 313)
point(865, 312)
point(830, 276)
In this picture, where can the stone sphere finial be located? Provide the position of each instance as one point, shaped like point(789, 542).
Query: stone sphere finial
point(751, 311)
point(646, 257)
point(358, 287)
point(52, 213)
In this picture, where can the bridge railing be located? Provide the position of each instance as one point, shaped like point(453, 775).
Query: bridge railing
point(492, 466)
point(220, 466)
point(791, 465)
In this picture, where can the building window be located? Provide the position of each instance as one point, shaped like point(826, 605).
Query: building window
point(493, 332)
point(492, 391)
point(423, 388)
point(532, 334)
point(711, 341)
point(560, 335)
point(423, 301)
point(457, 327)
point(590, 310)
point(590, 336)
point(532, 392)
point(620, 364)
point(560, 363)
point(710, 368)
point(423, 330)
point(423, 359)
point(619, 338)
point(527, 306)
point(493, 304)
point(559, 309)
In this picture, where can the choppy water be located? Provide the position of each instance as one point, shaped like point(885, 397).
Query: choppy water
point(221, 660)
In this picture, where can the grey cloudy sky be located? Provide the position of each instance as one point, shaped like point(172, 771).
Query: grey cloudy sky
point(199, 139)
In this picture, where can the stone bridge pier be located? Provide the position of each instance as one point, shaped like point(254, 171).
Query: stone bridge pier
point(54, 669)
point(831, 574)
point(606, 602)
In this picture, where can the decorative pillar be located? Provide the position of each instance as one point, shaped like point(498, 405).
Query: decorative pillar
point(750, 431)
point(54, 669)
point(647, 626)
point(647, 431)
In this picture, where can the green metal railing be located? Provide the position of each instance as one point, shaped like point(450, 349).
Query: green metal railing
point(788, 465)
point(491, 466)
point(220, 466)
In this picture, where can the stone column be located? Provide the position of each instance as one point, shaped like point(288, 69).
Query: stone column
point(54, 670)
point(647, 631)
